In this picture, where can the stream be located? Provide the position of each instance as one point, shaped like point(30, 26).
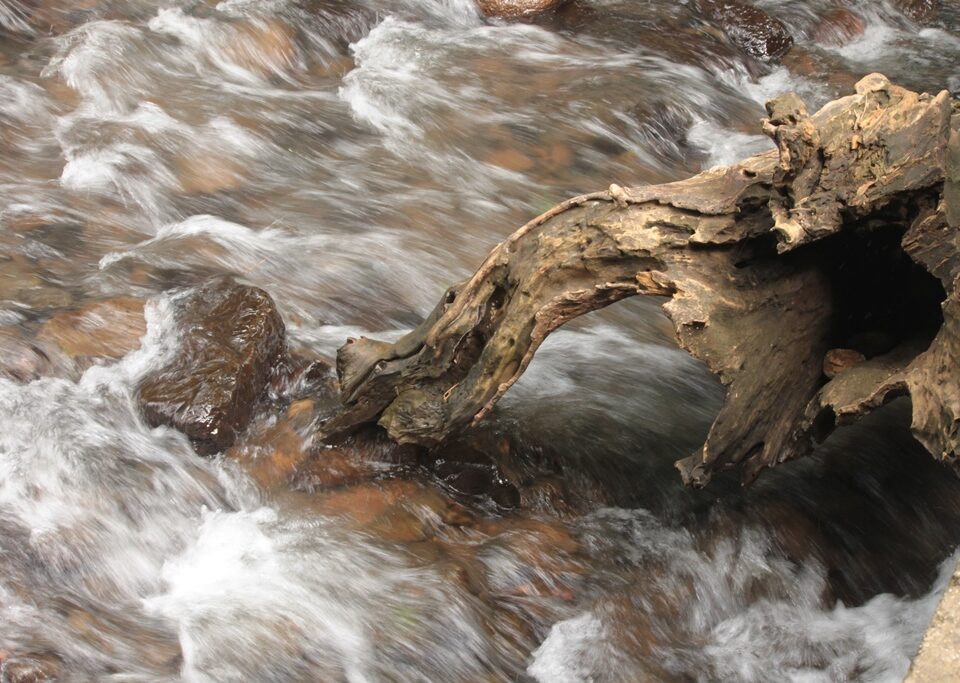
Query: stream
point(353, 158)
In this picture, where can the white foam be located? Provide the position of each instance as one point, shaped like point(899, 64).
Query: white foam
point(308, 598)
point(267, 256)
point(789, 635)
point(92, 59)
point(874, 43)
point(566, 654)
point(724, 146)
point(23, 103)
point(216, 42)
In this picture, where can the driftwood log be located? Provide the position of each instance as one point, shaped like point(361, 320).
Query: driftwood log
point(818, 281)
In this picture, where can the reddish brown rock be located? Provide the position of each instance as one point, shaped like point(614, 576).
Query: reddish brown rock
point(233, 338)
point(838, 27)
point(264, 46)
point(203, 172)
point(332, 467)
point(272, 455)
point(107, 329)
point(513, 9)
point(839, 360)
point(749, 28)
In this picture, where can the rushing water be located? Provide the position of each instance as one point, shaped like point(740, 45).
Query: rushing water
point(353, 157)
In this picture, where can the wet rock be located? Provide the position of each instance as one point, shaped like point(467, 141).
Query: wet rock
point(839, 360)
point(542, 560)
point(547, 495)
point(513, 9)
point(304, 377)
point(22, 282)
point(264, 46)
point(378, 507)
point(272, 454)
point(919, 10)
point(838, 26)
point(301, 413)
point(359, 458)
point(201, 172)
point(749, 28)
point(468, 479)
point(233, 338)
point(472, 472)
point(511, 159)
point(107, 329)
point(332, 467)
point(576, 15)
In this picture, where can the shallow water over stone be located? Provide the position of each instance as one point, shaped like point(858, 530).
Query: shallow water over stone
point(353, 158)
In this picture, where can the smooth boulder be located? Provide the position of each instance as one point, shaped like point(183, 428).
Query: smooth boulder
point(232, 341)
point(749, 28)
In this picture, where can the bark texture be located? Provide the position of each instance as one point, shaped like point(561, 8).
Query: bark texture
point(844, 237)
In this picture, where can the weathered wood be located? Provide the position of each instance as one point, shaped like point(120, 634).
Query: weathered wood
point(768, 264)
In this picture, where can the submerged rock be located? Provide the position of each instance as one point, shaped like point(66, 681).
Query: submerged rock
point(107, 329)
point(838, 26)
point(749, 28)
point(233, 337)
point(512, 9)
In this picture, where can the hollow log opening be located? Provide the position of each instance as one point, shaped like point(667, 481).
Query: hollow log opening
point(817, 282)
point(884, 300)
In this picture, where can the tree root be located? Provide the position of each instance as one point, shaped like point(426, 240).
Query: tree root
point(845, 236)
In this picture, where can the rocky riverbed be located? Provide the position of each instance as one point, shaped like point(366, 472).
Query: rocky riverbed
point(202, 200)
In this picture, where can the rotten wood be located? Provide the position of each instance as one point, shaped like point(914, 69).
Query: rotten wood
point(845, 236)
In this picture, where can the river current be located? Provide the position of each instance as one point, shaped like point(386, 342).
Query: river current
point(353, 158)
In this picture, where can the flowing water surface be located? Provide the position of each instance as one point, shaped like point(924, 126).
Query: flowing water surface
point(353, 158)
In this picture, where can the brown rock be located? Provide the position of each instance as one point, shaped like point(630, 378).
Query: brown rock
point(365, 503)
point(555, 158)
point(511, 159)
point(838, 26)
point(264, 46)
point(272, 455)
point(301, 412)
point(104, 329)
point(513, 9)
point(233, 337)
point(838, 360)
point(202, 172)
point(919, 10)
point(21, 282)
point(749, 28)
point(330, 468)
